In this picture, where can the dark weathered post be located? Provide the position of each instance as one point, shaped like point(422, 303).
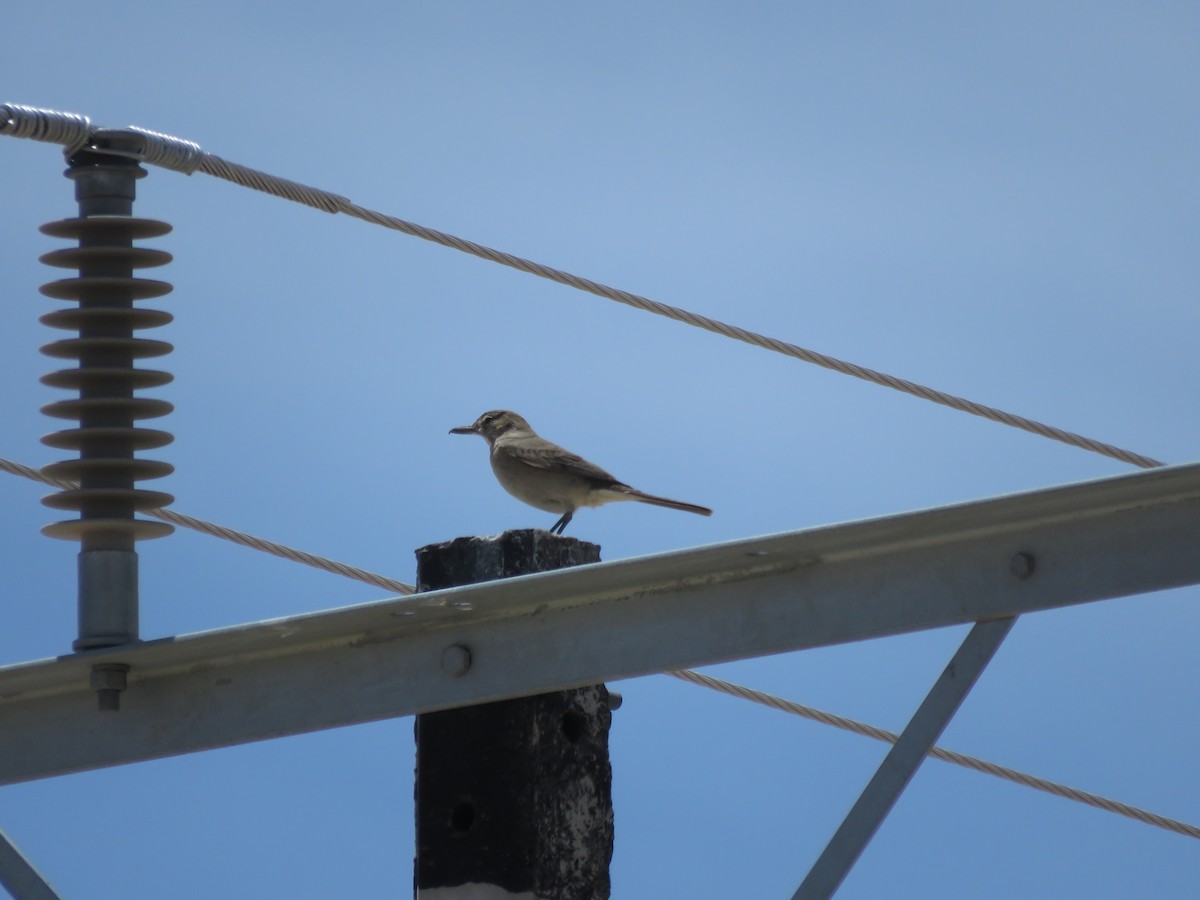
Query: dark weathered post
point(514, 795)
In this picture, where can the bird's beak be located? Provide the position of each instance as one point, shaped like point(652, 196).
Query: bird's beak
point(464, 429)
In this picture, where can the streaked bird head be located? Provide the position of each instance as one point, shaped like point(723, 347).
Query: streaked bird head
point(492, 425)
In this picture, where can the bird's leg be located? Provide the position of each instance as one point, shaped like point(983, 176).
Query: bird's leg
point(557, 527)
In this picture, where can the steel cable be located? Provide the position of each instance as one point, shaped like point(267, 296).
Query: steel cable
point(186, 156)
point(959, 759)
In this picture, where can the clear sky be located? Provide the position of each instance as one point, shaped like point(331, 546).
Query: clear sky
point(996, 199)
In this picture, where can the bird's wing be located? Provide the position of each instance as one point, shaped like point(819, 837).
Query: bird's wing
point(545, 455)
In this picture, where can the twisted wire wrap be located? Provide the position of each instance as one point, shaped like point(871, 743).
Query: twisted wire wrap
point(959, 759)
point(68, 129)
point(170, 152)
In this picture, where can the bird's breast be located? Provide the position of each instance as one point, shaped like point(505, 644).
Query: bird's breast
point(542, 488)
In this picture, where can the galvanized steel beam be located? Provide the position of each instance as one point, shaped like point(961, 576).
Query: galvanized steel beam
point(946, 566)
point(19, 877)
point(903, 760)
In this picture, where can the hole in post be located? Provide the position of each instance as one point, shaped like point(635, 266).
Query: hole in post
point(574, 725)
point(462, 817)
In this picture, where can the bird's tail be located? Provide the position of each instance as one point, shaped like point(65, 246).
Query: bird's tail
point(670, 504)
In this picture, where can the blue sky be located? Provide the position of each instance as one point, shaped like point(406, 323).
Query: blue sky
point(997, 199)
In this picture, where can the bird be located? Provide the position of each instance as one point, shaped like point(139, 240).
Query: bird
point(547, 477)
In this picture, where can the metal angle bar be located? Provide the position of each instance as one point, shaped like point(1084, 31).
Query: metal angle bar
point(18, 875)
point(903, 760)
point(602, 622)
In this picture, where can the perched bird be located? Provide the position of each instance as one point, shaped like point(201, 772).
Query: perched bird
point(547, 477)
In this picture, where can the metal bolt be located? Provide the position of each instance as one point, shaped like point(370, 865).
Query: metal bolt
point(456, 660)
point(1022, 565)
point(108, 681)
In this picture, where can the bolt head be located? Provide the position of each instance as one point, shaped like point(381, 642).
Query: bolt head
point(456, 660)
point(108, 681)
point(1022, 565)
point(109, 677)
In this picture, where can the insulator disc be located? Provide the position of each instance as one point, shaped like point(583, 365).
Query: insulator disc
point(112, 500)
point(115, 529)
point(121, 409)
point(93, 318)
point(134, 348)
point(98, 469)
point(97, 438)
point(120, 227)
point(89, 257)
point(94, 376)
point(88, 287)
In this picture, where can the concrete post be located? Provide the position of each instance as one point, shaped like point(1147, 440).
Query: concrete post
point(513, 798)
